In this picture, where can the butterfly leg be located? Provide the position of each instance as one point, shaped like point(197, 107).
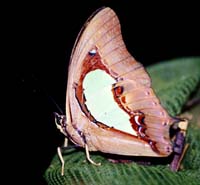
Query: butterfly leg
point(61, 160)
point(179, 146)
point(88, 156)
point(59, 151)
point(87, 149)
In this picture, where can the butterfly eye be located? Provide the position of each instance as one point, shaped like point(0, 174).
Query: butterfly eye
point(92, 52)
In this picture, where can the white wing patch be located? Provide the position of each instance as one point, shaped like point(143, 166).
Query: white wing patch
point(100, 101)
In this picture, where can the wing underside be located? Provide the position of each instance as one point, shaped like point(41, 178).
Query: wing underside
point(100, 47)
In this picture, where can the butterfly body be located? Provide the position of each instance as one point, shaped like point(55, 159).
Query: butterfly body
point(104, 77)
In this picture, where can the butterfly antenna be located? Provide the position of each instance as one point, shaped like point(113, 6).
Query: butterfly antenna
point(54, 102)
point(47, 94)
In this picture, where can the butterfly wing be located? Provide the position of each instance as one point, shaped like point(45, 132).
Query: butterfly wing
point(100, 46)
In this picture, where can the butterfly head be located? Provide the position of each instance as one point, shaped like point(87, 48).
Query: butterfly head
point(61, 123)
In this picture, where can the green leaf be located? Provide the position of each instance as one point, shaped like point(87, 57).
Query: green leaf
point(175, 82)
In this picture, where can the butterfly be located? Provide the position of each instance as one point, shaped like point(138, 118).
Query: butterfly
point(110, 104)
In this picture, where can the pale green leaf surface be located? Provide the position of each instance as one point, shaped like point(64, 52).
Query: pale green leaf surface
point(174, 82)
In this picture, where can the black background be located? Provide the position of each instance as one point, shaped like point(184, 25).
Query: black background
point(42, 36)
